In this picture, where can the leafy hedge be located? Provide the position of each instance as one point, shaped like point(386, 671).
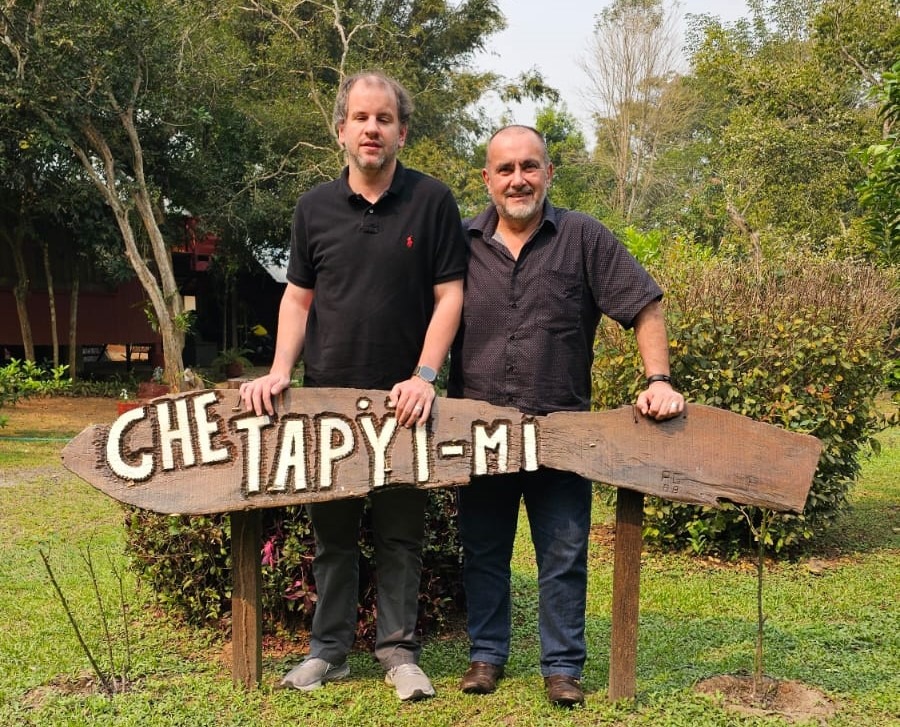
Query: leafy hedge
point(187, 561)
point(20, 379)
point(804, 344)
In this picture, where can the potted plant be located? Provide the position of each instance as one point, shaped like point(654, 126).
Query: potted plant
point(155, 387)
point(231, 362)
point(126, 403)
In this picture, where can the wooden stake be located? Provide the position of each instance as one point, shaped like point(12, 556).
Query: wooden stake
point(246, 597)
point(626, 590)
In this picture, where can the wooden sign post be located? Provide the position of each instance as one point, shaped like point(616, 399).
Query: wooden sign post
point(200, 453)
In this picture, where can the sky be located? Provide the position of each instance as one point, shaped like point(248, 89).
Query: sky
point(553, 35)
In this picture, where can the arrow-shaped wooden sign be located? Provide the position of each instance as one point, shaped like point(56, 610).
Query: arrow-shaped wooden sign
point(199, 452)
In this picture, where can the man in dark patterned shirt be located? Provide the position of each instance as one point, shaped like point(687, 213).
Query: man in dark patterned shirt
point(539, 278)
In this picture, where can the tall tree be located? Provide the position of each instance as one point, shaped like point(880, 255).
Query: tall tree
point(576, 180)
point(880, 190)
point(788, 111)
point(631, 67)
point(122, 85)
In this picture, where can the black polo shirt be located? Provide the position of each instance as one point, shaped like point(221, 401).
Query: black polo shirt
point(373, 268)
point(527, 335)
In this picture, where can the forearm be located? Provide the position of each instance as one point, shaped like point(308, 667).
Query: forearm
point(444, 324)
point(659, 400)
point(293, 313)
point(652, 339)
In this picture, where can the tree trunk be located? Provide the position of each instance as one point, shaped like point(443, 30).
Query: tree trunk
point(168, 305)
point(741, 223)
point(51, 301)
point(73, 323)
point(20, 290)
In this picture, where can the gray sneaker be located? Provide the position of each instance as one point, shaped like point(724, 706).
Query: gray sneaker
point(410, 682)
point(313, 672)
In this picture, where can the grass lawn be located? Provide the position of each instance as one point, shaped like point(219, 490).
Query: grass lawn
point(833, 624)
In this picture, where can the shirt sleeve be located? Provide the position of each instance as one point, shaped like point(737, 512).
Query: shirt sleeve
point(450, 257)
point(620, 285)
point(300, 270)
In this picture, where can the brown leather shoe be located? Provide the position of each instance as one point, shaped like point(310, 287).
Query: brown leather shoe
point(481, 678)
point(563, 690)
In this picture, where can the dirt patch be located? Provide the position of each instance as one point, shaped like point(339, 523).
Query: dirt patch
point(84, 685)
point(56, 416)
point(794, 701)
point(56, 419)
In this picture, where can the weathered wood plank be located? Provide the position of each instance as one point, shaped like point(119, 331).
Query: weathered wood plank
point(197, 453)
point(623, 643)
point(246, 598)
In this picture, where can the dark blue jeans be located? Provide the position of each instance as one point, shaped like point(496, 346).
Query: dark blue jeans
point(559, 514)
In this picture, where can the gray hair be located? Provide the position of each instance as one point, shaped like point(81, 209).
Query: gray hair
point(404, 100)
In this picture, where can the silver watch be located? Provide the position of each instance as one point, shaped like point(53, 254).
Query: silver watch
point(426, 373)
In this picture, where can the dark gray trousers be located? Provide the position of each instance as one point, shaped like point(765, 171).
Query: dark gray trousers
point(398, 524)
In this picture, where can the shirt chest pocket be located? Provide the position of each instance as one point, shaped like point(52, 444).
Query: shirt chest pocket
point(557, 300)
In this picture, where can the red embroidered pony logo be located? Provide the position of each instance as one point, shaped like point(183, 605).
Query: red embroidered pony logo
point(409, 241)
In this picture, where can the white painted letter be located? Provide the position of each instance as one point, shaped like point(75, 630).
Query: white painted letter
point(168, 435)
point(206, 428)
point(114, 449)
point(253, 449)
point(529, 446)
point(378, 444)
point(333, 448)
point(291, 455)
point(498, 441)
point(420, 438)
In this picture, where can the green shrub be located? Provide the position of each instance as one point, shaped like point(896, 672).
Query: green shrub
point(20, 379)
point(187, 561)
point(795, 343)
point(108, 387)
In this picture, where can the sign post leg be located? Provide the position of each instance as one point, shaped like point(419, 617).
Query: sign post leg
point(626, 589)
point(246, 597)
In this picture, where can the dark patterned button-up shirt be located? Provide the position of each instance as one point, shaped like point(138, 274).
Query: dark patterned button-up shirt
point(527, 334)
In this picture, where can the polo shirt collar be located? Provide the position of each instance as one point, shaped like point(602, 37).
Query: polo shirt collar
point(396, 183)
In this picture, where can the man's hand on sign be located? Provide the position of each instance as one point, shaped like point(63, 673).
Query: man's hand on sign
point(412, 400)
point(259, 394)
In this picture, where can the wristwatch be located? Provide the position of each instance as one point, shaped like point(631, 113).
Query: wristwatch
point(426, 373)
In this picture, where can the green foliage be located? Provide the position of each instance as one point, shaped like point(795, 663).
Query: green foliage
point(21, 379)
point(645, 246)
point(783, 105)
point(108, 387)
point(187, 562)
point(879, 193)
point(229, 357)
point(576, 179)
point(799, 344)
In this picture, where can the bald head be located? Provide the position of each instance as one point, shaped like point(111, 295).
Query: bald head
point(520, 132)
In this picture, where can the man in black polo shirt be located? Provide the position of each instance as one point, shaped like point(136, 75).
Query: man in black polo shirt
point(539, 278)
point(373, 300)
